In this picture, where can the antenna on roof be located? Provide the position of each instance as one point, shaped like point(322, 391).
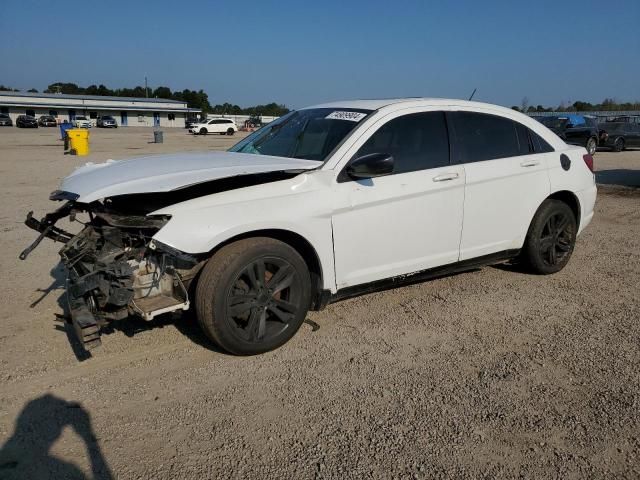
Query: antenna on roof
point(474, 92)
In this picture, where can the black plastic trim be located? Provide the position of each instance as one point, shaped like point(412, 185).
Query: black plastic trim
point(423, 275)
point(62, 195)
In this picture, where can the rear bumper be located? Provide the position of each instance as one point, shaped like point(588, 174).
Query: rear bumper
point(587, 199)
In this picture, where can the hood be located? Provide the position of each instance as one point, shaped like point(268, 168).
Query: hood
point(163, 173)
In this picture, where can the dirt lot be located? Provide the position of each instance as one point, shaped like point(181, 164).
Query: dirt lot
point(492, 373)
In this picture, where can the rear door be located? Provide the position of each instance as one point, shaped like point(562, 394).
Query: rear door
point(506, 181)
point(404, 222)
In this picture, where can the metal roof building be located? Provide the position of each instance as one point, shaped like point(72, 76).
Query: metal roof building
point(128, 111)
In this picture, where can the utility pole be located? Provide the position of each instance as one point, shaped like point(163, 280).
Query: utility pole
point(146, 90)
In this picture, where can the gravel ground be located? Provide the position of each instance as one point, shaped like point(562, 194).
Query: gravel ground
point(488, 374)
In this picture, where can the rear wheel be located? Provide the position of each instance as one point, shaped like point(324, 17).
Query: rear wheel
point(618, 145)
point(592, 146)
point(253, 295)
point(230, 131)
point(551, 238)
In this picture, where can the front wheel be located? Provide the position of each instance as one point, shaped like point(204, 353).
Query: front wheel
point(551, 238)
point(203, 131)
point(253, 295)
point(592, 146)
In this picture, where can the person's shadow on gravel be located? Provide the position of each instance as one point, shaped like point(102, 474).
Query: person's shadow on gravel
point(26, 454)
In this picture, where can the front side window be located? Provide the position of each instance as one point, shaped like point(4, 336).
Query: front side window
point(480, 136)
point(416, 141)
point(310, 134)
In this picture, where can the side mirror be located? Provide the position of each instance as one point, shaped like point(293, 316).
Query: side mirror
point(371, 165)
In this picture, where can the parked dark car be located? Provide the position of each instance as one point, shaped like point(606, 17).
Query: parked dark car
point(579, 130)
point(26, 121)
point(5, 120)
point(106, 121)
point(619, 135)
point(47, 121)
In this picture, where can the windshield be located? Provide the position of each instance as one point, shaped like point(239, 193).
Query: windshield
point(81, 118)
point(310, 134)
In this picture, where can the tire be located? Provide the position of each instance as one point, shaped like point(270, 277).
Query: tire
point(592, 146)
point(203, 131)
point(253, 295)
point(230, 131)
point(551, 238)
point(618, 145)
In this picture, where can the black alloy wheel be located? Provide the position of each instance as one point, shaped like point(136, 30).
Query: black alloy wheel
point(556, 240)
point(551, 238)
point(253, 295)
point(264, 299)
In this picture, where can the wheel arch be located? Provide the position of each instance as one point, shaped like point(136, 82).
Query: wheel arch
point(570, 199)
point(301, 245)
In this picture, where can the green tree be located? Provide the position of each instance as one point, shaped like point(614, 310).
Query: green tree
point(60, 87)
point(162, 92)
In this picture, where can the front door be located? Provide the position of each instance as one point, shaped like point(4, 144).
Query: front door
point(123, 119)
point(506, 181)
point(404, 222)
point(156, 119)
point(632, 133)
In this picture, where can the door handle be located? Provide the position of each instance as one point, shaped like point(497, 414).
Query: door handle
point(445, 177)
point(530, 163)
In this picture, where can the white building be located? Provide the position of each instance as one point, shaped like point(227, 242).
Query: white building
point(127, 111)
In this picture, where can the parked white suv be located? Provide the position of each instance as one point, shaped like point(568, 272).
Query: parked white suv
point(223, 126)
point(324, 203)
point(82, 122)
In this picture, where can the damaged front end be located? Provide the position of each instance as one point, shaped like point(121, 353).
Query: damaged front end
point(115, 268)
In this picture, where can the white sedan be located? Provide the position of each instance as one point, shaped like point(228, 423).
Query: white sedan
point(223, 126)
point(324, 203)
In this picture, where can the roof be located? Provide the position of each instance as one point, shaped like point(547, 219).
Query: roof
point(376, 104)
point(88, 97)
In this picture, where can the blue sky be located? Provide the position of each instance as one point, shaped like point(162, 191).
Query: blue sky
point(305, 52)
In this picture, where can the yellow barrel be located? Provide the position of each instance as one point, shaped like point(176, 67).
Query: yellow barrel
point(79, 141)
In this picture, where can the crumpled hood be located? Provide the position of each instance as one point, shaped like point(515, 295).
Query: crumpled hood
point(162, 173)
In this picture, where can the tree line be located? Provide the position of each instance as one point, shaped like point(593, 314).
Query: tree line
point(193, 98)
point(608, 104)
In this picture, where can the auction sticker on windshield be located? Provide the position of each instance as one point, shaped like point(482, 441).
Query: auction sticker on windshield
point(351, 116)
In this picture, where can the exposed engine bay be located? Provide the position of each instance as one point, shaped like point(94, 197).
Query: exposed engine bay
point(115, 269)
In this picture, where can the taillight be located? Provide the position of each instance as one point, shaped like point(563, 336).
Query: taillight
point(588, 159)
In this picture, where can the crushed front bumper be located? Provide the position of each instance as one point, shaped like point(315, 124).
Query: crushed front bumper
point(115, 269)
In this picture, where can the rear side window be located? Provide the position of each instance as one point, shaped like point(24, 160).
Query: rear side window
point(539, 144)
point(416, 141)
point(480, 136)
